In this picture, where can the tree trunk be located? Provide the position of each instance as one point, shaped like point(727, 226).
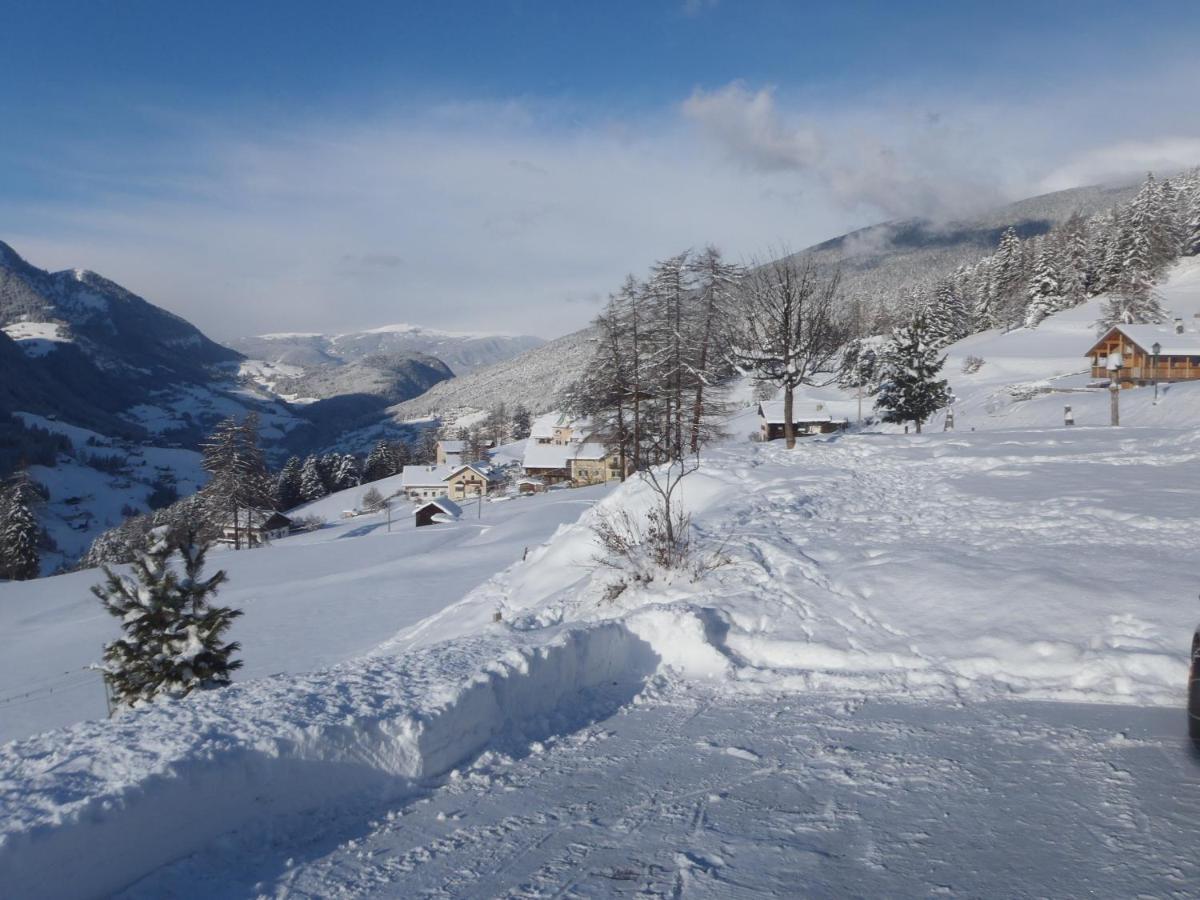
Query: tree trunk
point(789, 428)
point(918, 421)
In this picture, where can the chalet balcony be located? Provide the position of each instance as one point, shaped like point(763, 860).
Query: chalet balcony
point(1183, 370)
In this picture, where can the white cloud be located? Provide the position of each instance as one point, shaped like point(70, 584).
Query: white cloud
point(1120, 160)
point(748, 125)
point(517, 216)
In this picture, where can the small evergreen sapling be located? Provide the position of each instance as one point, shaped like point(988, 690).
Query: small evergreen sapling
point(174, 639)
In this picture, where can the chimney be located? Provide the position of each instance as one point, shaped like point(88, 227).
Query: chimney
point(1179, 326)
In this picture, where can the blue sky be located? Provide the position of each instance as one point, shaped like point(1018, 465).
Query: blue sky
point(296, 166)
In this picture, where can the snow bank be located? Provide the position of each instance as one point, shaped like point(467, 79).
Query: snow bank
point(101, 804)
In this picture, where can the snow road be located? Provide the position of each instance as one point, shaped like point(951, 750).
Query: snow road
point(707, 794)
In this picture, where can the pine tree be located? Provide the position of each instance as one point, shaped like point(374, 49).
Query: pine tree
point(521, 423)
point(911, 390)
point(426, 451)
point(1190, 243)
point(287, 486)
point(1132, 305)
point(1005, 300)
point(311, 485)
point(174, 638)
point(1045, 290)
point(379, 462)
point(946, 313)
point(19, 531)
point(237, 468)
point(346, 473)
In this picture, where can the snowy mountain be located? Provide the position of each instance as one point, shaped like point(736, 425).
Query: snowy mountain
point(320, 366)
point(888, 257)
point(533, 379)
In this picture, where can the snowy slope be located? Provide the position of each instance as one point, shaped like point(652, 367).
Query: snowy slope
point(933, 571)
point(310, 600)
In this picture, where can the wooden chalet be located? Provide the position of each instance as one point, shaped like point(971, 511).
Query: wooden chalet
point(1178, 357)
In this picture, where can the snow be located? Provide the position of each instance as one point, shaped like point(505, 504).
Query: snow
point(38, 338)
point(948, 663)
point(801, 412)
point(1170, 342)
point(451, 509)
point(310, 601)
point(426, 476)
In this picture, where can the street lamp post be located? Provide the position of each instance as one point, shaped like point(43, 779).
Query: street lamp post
point(1114, 386)
point(1156, 349)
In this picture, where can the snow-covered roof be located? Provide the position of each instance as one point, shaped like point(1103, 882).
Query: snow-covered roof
point(425, 476)
point(543, 426)
point(445, 504)
point(546, 456)
point(802, 411)
point(588, 451)
point(483, 471)
point(1172, 344)
point(453, 446)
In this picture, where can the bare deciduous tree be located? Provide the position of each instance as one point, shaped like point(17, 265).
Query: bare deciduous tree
point(790, 334)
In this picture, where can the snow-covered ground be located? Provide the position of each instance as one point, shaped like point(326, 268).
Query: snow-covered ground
point(310, 600)
point(951, 663)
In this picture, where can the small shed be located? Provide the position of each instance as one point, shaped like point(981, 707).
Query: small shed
point(440, 509)
point(531, 486)
point(807, 418)
point(254, 527)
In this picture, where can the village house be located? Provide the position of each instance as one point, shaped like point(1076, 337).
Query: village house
point(546, 462)
point(424, 482)
point(594, 463)
point(255, 527)
point(579, 464)
point(471, 480)
point(438, 510)
point(807, 418)
point(1147, 353)
point(559, 429)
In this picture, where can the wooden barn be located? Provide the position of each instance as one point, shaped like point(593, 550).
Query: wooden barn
point(440, 509)
point(1147, 353)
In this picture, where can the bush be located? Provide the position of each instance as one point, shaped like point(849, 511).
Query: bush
point(972, 364)
point(372, 501)
point(308, 523)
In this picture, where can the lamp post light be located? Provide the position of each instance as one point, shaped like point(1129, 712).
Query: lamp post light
point(1156, 349)
point(1114, 386)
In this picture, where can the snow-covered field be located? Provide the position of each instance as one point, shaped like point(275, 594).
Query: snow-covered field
point(310, 601)
point(951, 663)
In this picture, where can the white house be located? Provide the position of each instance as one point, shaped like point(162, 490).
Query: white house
point(425, 482)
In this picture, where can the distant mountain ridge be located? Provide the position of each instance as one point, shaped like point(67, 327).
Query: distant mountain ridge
point(462, 352)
